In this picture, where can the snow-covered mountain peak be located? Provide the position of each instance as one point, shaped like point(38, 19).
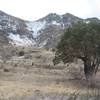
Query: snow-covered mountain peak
point(41, 32)
point(45, 32)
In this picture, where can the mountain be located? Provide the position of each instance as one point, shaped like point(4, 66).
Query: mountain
point(48, 30)
point(15, 29)
point(45, 32)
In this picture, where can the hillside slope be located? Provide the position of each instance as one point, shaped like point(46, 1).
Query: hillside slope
point(45, 32)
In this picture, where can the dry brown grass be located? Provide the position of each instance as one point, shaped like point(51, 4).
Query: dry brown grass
point(28, 75)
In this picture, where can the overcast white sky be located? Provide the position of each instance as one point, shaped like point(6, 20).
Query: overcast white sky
point(35, 9)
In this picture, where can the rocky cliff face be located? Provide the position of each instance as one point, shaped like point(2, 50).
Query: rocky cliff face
point(45, 32)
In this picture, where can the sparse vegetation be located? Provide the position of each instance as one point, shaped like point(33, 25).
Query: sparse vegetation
point(24, 78)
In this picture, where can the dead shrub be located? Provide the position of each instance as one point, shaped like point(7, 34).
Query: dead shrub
point(21, 53)
point(6, 70)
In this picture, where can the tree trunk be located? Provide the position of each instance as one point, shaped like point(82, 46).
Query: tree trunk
point(89, 73)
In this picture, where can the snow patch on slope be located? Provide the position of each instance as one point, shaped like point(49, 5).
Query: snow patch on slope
point(55, 23)
point(20, 41)
point(35, 27)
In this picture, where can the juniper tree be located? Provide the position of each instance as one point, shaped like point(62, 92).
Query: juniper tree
point(81, 41)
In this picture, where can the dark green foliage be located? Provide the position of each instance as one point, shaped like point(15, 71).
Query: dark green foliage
point(82, 41)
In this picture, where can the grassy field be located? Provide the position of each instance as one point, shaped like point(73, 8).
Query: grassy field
point(34, 76)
